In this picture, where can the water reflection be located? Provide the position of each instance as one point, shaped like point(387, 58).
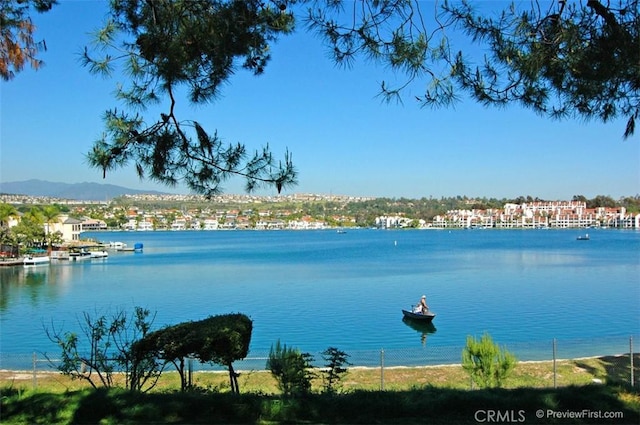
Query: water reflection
point(38, 283)
point(423, 328)
point(9, 277)
point(35, 277)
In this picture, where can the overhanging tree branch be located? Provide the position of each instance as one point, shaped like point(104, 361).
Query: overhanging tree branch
point(194, 44)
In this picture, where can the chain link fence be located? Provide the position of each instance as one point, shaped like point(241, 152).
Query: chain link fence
point(619, 359)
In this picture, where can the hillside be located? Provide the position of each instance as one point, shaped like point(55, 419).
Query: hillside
point(78, 191)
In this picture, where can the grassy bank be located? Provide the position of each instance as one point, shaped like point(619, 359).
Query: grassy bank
point(610, 369)
point(425, 395)
point(425, 405)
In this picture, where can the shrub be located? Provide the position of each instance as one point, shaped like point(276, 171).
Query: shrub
point(104, 347)
point(220, 339)
point(291, 369)
point(487, 364)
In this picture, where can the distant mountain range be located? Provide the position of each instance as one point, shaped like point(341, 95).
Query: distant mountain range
point(76, 191)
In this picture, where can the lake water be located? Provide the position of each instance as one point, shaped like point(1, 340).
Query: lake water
point(316, 289)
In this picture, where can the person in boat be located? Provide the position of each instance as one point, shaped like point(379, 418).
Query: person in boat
point(423, 305)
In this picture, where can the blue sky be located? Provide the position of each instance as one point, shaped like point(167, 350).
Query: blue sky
point(343, 138)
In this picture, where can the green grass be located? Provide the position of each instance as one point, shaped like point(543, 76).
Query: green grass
point(424, 405)
point(412, 395)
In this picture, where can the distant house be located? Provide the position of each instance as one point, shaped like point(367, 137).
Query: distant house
point(179, 224)
point(210, 224)
point(91, 224)
point(130, 225)
point(144, 226)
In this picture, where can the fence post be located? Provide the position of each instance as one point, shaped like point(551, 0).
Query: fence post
point(631, 359)
point(35, 375)
point(555, 348)
point(382, 369)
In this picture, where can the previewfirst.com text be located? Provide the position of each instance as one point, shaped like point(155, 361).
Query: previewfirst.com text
point(520, 416)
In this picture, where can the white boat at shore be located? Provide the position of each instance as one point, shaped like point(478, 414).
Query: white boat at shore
point(99, 254)
point(32, 260)
point(79, 254)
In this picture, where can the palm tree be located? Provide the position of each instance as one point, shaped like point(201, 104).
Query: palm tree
point(50, 215)
point(32, 227)
point(7, 242)
point(6, 212)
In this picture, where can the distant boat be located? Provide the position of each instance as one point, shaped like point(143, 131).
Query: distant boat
point(583, 237)
point(422, 317)
point(32, 260)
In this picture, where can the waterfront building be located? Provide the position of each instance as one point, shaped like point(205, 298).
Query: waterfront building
point(210, 224)
point(557, 214)
point(392, 222)
point(71, 229)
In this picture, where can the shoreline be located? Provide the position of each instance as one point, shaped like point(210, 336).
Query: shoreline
point(355, 368)
point(586, 371)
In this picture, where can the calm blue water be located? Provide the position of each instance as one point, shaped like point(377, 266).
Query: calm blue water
point(315, 289)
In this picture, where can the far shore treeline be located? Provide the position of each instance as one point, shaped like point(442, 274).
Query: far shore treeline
point(333, 209)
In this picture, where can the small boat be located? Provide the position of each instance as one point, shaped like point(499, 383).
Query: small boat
point(118, 246)
point(423, 317)
point(32, 260)
point(583, 237)
point(79, 254)
point(99, 254)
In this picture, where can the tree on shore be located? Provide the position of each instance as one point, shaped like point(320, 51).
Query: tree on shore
point(7, 212)
point(50, 214)
point(29, 232)
point(220, 339)
point(336, 362)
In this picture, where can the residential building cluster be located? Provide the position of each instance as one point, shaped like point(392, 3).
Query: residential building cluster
point(557, 214)
point(248, 198)
point(196, 219)
point(246, 215)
